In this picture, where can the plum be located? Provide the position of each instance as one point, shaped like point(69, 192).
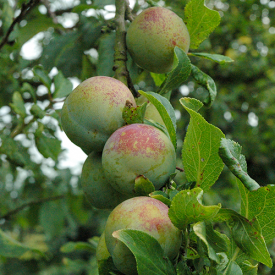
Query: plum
point(96, 186)
point(152, 37)
point(145, 214)
point(93, 111)
point(138, 149)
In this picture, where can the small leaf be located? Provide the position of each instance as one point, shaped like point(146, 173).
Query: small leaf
point(186, 208)
point(229, 152)
point(132, 114)
point(200, 21)
point(161, 196)
point(179, 74)
point(26, 87)
point(200, 156)
point(12, 248)
point(63, 86)
point(43, 76)
point(221, 59)
point(247, 235)
point(18, 104)
point(214, 241)
point(47, 146)
point(183, 269)
point(261, 205)
point(207, 82)
point(107, 267)
point(37, 111)
point(74, 246)
point(158, 78)
point(143, 186)
point(148, 253)
point(166, 112)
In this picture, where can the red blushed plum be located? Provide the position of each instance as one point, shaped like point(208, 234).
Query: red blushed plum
point(96, 186)
point(138, 149)
point(152, 37)
point(93, 111)
point(145, 214)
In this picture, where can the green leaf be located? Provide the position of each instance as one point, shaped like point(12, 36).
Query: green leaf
point(74, 246)
point(133, 115)
point(230, 153)
point(51, 218)
point(26, 87)
point(214, 241)
point(247, 234)
point(148, 253)
point(15, 152)
point(261, 205)
point(107, 267)
point(161, 196)
point(18, 104)
point(143, 186)
point(166, 112)
point(12, 248)
point(65, 53)
point(207, 82)
point(49, 147)
point(63, 86)
point(180, 72)
point(221, 59)
point(200, 21)
point(37, 111)
point(34, 26)
point(106, 55)
point(231, 268)
point(186, 208)
point(183, 269)
point(43, 76)
point(200, 156)
point(158, 78)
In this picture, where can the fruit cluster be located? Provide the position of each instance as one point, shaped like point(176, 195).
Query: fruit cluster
point(118, 153)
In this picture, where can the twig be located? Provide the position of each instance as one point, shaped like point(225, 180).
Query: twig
point(120, 56)
point(16, 210)
point(26, 8)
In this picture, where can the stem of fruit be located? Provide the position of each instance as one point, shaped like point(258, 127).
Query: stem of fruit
point(120, 55)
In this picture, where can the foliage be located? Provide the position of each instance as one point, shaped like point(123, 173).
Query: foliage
point(47, 224)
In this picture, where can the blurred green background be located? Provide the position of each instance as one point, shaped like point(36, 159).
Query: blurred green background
point(65, 36)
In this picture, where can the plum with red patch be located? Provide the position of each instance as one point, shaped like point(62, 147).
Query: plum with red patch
point(152, 37)
point(145, 214)
point(138, 149)
point(93, 111)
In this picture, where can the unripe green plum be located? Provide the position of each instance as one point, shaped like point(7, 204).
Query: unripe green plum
point(145, 214)
point(96, 186)
point(93, 111)
point(138, 149)
point(152, 37)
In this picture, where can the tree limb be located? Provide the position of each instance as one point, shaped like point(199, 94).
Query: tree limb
point(26, 8)
point(120, 56)
point(16, 210)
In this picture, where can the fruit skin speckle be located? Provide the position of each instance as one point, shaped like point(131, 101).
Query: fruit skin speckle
point(93, 111)
point(138, 149)
point(145, 214)
point(152, 37)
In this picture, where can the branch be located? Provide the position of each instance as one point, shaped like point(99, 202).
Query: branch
point(26, 8)
point(120, 56)
point(16, 210)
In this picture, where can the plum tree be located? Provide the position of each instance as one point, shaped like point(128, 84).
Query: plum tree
point(96, 186)
point(145, 214)
point(152, 37)
point(93, 111)
point(138, 149)
point(151, 112)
